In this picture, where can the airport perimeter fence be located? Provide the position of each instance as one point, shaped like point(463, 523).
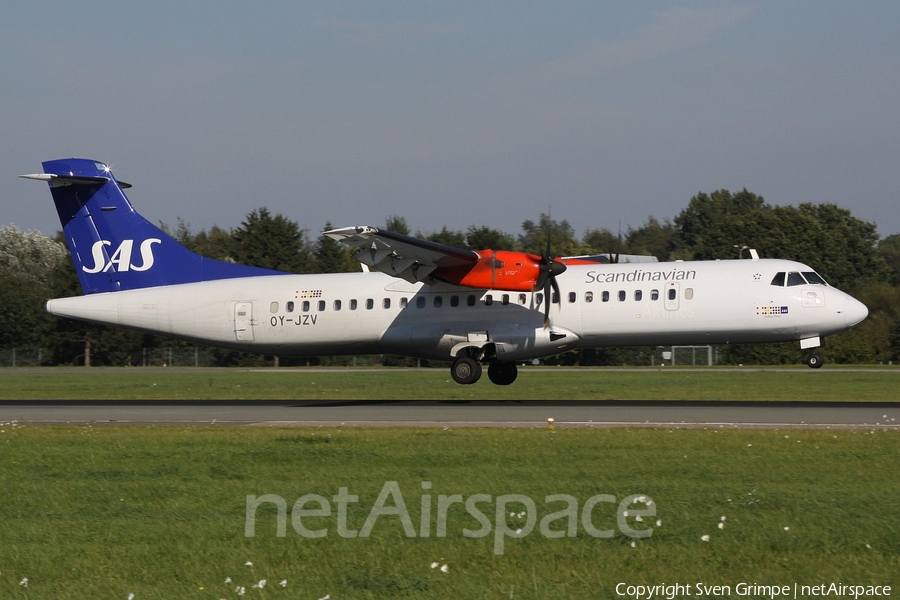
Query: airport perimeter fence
point(147, 357)
point(202, 356)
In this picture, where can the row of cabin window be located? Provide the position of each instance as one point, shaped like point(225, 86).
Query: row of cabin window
point(471, 300)
point(621, 295)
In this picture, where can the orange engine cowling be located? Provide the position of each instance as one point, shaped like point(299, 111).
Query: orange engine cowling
point(499, 270)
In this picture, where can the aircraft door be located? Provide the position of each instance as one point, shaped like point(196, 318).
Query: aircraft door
point(672, 293)
point(243, 321)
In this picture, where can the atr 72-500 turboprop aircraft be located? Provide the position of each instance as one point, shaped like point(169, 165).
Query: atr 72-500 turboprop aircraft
point(420, 298)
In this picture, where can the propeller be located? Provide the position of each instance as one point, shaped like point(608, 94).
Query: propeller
point(550, 268)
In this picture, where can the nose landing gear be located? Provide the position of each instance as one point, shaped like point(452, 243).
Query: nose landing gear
point(814, 360)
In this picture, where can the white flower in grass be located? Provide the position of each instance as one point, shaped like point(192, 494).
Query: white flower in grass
point(521, 515)
point(786, 528)
point(131, 596)
point(721, 525)
point(639, 518)
point(625, 513)
point(434, 565)
point(228, 580)
point(248, 564)
point(722, 518)
point(633, 544)
point(326, 597)
point(260, 584)
point(283, 583)
point(24, 582)
point(519, 531)
point(445, 568)
point(704, 538)
point(659, 522)
point(240, 590)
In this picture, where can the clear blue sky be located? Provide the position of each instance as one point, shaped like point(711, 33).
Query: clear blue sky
point(453, 113)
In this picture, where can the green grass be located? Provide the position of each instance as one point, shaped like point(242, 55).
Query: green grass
point(101, 512)
point(549, 383)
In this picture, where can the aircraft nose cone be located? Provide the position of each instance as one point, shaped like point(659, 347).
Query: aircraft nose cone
point(855, 311)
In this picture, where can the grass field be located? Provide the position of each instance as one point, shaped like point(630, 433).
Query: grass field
point(545, 383)
point(160, 512)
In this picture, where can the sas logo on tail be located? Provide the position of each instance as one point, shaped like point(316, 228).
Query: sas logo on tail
point(121, 258)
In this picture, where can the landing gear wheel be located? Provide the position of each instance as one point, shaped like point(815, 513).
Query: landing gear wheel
point(466, 370)
point(815, 360)
point(502, 373)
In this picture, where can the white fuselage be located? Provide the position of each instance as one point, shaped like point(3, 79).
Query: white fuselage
point(705, 302)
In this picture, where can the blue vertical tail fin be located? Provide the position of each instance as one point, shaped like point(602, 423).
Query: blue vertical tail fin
point(115, 248)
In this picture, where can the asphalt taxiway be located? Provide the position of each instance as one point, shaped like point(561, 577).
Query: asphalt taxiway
point(429, 413)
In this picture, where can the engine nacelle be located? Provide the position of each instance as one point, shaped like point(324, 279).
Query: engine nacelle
point(499, 270)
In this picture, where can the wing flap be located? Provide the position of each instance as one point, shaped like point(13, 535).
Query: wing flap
point(398, 255)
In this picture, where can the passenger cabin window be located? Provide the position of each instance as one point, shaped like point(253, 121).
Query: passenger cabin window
point(589, 296)
point(604, 296)
point(470, 300)
point(454, 301)
point(386, 303)
point(403, 302)
point(321, 305)
point(438, 301)
point(654, 295)
point(795, 278)
point(273, 307)
point(370, 304)
point(504, 299)
point(689, 293)
point(672, 293)
point(488, 300)
point(621, 295)
point(290, 307)
point(572, 296)
point(306, 306)
point(778, 280)
point(538, 299)
point(522, 299)
point(638, 294)
point(353, 304)
point(337, 305)
point(420, 302)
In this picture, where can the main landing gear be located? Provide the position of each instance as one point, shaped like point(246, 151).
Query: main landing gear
point(467, 370)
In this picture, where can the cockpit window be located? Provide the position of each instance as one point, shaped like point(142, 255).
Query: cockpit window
point(778, 279)
point(814, 278)
point(795, 278)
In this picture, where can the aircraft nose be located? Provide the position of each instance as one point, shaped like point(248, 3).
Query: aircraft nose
point(854, 311)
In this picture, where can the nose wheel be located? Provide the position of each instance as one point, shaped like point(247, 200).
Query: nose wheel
point(814, 360)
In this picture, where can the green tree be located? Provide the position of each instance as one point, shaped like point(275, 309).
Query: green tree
point(448, 237)
point(889, 251)
point(654, 239)
point(485, 238)
point(332, 256)
point(397, 224)
point(271, 242)
point(562, 237)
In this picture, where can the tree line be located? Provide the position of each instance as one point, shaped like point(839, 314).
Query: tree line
point(844, 249)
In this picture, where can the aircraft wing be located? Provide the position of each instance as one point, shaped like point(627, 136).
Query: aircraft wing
point(399, 255)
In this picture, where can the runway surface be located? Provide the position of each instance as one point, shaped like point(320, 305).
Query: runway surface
point(312, 413)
